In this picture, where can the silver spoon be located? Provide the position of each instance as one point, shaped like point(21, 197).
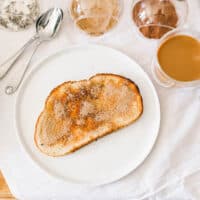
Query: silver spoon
point(47, 26)
point(41, 23)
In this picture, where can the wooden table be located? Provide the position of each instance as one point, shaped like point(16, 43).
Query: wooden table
point(4, 190)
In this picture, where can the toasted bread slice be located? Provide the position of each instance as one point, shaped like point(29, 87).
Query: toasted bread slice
point(79, 112)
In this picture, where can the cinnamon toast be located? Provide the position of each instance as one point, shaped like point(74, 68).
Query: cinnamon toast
point(78, 112)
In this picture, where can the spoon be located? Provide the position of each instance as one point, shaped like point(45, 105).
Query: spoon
point(47, 25)
point(40, 24)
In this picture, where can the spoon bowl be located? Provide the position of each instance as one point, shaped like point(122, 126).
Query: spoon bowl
point(48, 24)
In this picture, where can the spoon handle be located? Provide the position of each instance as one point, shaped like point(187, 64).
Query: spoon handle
point(9, 63)
point(15, 82)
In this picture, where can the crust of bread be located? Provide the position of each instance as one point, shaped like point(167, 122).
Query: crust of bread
point(139, 101)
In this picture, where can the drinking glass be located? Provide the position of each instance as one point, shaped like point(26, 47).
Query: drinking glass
point(154, 18)
point(158, 73)
point(95, 17)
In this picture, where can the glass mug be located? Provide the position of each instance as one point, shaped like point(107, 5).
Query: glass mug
point(161, 77)
point(95, 17)
point(154, 18)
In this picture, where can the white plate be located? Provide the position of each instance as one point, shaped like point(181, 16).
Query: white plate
point(109, 158)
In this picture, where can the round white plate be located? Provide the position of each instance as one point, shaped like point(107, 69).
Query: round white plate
point(112, 156)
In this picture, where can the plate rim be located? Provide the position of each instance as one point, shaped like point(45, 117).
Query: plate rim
point(29, 155)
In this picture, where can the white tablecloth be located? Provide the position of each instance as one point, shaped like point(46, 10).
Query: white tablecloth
point(171, 172)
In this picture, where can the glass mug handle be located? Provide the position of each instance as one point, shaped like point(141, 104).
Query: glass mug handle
point(160, 77)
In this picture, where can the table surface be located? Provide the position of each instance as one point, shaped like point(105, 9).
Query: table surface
point(4, 190)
